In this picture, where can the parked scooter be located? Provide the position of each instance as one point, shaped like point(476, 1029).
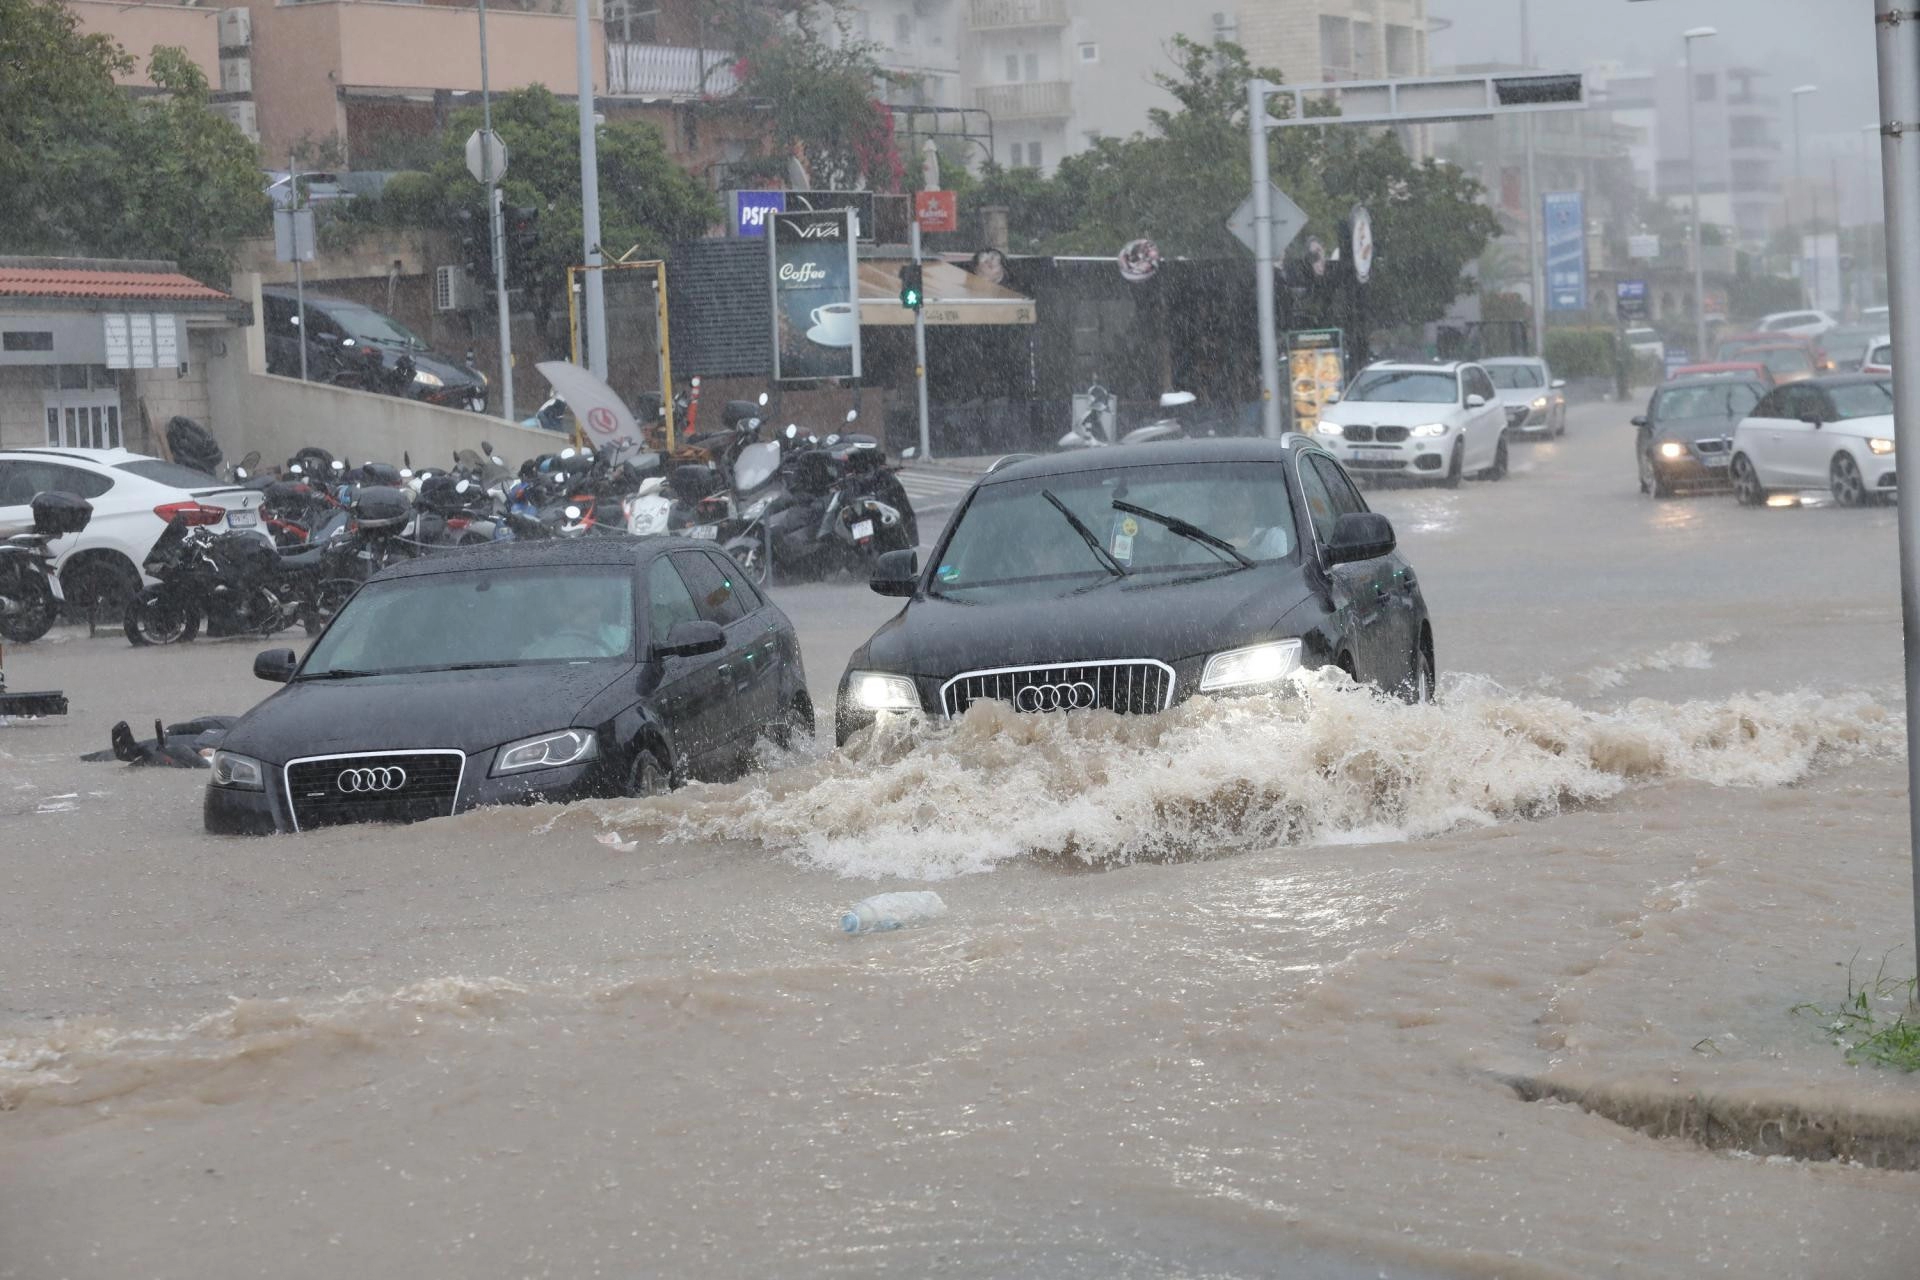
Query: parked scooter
point(30, 594)
point(1179, 420)
point(810, 507)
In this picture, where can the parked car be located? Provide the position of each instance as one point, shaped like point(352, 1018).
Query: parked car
point(1834, 433)
point(1430, 421)
point(133, 497)
point(1684, 435)
point(515, 673)
point(353, 345)
point(1130, 578)
point(1743, 369)
point(1878, 357)
point(1647, 342)
point(318, 188)
point(1805, 324)
point(1786, 356)
point(1535, 400)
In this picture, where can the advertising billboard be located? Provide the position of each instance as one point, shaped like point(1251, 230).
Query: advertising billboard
point(814, 273)
point(1564, 213)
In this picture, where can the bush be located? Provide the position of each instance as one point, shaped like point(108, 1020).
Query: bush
point(411, 200)
point(1580, 353)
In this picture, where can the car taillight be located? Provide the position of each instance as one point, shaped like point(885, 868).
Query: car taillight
point(191, 513)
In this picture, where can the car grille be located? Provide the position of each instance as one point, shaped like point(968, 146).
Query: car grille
point(323, 791)
point(1711, 446)
point(1390, 435)
point(1130, 687)
point(1357, 432)
point(1517, 414)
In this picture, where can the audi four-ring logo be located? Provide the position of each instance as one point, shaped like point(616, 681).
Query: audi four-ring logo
point(1077, 696)
point(381, 778)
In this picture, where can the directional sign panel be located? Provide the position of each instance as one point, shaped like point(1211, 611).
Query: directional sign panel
point(1288, 221)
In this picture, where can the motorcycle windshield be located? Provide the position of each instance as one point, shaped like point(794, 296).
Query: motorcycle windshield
point(756, 465)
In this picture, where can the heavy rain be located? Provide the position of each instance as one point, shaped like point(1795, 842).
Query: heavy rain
point(957, 637)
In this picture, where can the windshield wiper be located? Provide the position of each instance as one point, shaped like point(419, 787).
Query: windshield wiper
point(1093, 543)
point(471, 666)
point(338, 673)
point(1186, 530)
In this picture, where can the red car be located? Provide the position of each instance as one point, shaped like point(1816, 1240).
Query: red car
point(1768, 348)
point(1725, 369)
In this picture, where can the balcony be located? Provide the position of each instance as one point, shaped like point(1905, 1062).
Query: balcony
point(1011, 15)
point(669, 71)
point(1030, 100)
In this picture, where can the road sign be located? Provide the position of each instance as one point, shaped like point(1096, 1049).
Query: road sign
point(1288, 221)
point(485, 149)
point(1360, 223)
point(937, 211)
point(293, 235)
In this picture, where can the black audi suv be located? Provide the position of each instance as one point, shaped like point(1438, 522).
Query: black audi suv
point(1130, 578)
point(515, 673)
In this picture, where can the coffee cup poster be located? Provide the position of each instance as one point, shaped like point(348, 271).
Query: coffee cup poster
point(816, 307)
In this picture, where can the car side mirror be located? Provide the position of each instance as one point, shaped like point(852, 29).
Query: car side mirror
point(1640, 421)
point(911, 451)
point(1360, 535)
point(1811, 420)
point(1556, 384)
point(690, 639)
point(275, 665)
point(896, 573)
point(1476, 402)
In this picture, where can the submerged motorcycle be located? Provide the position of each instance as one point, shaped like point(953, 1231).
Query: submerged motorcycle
point(30, 594)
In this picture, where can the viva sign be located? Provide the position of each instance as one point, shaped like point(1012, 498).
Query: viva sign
point(814, 269)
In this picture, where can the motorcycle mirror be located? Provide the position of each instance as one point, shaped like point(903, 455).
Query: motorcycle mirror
point(853, 415)
point(294, 469)
point(572, 513)
point(239, 473)
point(792, 431)
point(834, 438)
point(763, 398)
point(567, 452)
point(406, 458)
point(406, 473)
point(486, 447)
point(462, 487)
point(339, 465)
point(497, 461)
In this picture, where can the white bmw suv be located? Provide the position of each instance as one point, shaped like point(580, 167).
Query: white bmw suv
point(1833, 433)
point(1425, 421)
point(133, 497)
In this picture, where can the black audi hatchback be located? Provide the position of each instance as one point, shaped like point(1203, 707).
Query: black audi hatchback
point(515, 673)
point(1130, 578)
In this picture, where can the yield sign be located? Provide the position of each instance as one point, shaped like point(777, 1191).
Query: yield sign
point(1288, 221)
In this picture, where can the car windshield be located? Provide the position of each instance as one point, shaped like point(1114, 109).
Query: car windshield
point(1513, 377)
point(1727, 399)
point(481, 618)
point(370, 326)
point(1405, 386)
point(1882, 354)
point(1862, 399)
point(1787, 360)
point(1014, 536)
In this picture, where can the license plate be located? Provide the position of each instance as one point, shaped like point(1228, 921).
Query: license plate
point(243, 519)
point(1374, 451)
point(863, 530)
point(1713, 459)
point(710, 532)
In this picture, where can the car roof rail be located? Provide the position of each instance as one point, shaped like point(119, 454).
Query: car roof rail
point(1007, 460)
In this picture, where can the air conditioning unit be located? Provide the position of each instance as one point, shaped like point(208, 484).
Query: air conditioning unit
point(236, 28)
point(236, 72)
point(241, 113)
point(455, 290)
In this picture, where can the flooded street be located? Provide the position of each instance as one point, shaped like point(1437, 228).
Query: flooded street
point(1248, 989)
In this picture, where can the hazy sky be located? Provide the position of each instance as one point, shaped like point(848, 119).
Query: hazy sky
point(1829, 43)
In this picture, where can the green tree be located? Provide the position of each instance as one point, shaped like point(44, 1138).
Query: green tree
point(820, 97)
point(647, 202)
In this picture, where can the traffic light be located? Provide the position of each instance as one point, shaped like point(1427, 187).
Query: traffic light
point(523, 227)
point(476, 249)
point(912, 295)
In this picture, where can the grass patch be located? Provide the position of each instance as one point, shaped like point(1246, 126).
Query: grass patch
point(1879, 1023)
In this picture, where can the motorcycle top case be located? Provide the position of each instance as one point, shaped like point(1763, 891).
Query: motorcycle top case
point(56, 514)
point(381, 507)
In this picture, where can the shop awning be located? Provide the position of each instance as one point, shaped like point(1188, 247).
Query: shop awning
point(955, 296)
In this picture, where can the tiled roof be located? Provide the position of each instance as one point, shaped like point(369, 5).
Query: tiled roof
point(135, 286)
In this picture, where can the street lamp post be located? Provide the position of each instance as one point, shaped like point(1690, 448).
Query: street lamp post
point(1693, 171)
point(1800, 182)
point(1536, 284)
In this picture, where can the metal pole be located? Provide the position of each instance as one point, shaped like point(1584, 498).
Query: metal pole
point(299, 275)
point(1693, 173)
point(596, 298)
point(496, 229)
point(666, 350)
point(1536, 270)
point(920, 351)
point(1263, 258)
point(1899, 50)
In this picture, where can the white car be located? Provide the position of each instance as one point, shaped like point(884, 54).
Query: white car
point(1535, 400)
point(1647, 342)
point(1833, 433)
point(1427, 421)
point(1806, 324)
point(133, 497)
point(1879, 356)
point(1876, 315)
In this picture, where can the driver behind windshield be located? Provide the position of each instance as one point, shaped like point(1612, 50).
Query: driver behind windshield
point(1242, 517)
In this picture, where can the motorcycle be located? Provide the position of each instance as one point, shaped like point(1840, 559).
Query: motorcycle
point(30, 595)
point(238, 582)
point(1178, 420)
point(808, 506)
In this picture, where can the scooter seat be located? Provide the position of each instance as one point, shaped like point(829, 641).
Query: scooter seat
point(301, 558)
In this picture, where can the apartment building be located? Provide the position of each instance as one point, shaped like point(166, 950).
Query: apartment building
point(1316, 41)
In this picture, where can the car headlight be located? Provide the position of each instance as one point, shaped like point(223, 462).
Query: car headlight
point(1673, 449)
point(238, 772)
point(1879, 446)
point(1329, 429)
point(877, 691)
point(1428, 430)
point(426, 379)
point(1539, 402)
point(547, 751)
point(1256, 664)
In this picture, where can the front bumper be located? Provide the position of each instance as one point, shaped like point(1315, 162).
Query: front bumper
point(229, 811)
point(1693, 468)
point(1425, 456)
point(1880, 472)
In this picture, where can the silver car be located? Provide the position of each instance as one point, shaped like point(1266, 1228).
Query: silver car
point(1535, 401)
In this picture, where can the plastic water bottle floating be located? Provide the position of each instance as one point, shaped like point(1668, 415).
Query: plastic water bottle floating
point(893, 911)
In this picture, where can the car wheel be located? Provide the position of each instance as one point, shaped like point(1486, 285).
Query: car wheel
point(325, 601)
point(797, 725)
point(1498, 471)
point(1418, 687)
point(99, 587)
point(35, 614)
point(1849, 490)
point(153, 618)
point(648, 777)
point(1651, 481)
point(1747, 490)
point(1452, 478)
point(751, 552)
